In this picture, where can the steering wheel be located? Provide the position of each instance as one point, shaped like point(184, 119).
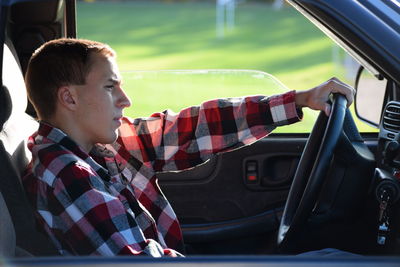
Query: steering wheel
point(311, 172)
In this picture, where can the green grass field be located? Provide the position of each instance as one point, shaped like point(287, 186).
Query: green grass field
point(158, 36)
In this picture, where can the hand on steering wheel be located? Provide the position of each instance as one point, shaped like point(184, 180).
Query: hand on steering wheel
point(316, 98)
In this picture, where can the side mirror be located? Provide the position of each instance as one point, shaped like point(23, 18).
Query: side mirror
point(370, 96)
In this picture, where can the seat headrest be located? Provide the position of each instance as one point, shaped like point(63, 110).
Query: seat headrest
point(16, 125)
point(13, 97)
point(36, 12)
point(5, 104)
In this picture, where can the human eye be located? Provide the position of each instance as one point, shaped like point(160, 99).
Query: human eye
point(109, 87)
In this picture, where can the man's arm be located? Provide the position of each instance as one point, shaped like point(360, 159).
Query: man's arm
point(176, 141)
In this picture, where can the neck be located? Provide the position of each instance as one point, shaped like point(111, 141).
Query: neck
point(70, 129)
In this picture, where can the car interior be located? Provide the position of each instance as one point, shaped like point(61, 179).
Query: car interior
point(248, 217)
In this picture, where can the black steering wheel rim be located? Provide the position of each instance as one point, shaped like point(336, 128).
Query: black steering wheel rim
point(311, 172)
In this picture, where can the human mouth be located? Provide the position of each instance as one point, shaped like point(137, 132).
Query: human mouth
point(118, 120)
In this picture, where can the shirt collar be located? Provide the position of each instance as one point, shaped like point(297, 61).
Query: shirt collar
point(50, 134)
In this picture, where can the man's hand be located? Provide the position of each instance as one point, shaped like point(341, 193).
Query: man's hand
point(317, 97)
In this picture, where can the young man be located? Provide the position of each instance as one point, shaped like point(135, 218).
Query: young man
point(92, 180)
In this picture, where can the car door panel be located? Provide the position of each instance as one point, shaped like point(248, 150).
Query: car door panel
point(251, 235)
point(216, 203)
point(220, 190)
point(252, 225)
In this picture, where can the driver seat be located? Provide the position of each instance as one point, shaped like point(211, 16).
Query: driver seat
point(18, 233)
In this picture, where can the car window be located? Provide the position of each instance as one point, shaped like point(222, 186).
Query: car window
point(155, 91)
point(187, 35)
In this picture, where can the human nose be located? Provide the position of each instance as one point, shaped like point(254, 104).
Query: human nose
point(123, 99)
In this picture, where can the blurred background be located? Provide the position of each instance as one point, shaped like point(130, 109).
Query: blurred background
point(263, 35)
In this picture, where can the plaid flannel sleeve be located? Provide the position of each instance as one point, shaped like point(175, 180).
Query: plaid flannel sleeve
point(93, 221)
point(176, 141)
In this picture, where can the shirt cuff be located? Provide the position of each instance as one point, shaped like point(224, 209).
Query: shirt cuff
point(283, 109)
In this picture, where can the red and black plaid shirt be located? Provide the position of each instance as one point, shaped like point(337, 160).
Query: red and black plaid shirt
point(108, 202)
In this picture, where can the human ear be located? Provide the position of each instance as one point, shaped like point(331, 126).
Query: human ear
point(66, 97)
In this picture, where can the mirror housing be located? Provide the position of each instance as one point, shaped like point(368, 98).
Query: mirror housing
point(370, 96)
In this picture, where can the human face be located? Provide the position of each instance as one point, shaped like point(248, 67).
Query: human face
point(100, 103)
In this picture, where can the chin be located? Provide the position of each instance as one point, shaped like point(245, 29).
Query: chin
point(111, 138)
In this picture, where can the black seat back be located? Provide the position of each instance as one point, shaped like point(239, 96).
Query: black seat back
point(16, 127)
point(7, 233)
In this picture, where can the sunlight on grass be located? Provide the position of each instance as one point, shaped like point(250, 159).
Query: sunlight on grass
point(158, 36)
point(179, 89)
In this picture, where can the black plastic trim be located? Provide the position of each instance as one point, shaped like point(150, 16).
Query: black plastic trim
point(272, 261)
point(258, 224)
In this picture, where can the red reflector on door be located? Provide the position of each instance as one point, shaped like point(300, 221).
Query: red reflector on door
point(252, 178)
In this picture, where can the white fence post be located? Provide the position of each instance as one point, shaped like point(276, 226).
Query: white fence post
point(278, 4)
point(225, 15)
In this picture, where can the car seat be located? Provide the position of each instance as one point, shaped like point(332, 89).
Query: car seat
point(16, 126)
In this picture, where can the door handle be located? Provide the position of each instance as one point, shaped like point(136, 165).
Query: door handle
point(271, 172)
point(280, 171)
